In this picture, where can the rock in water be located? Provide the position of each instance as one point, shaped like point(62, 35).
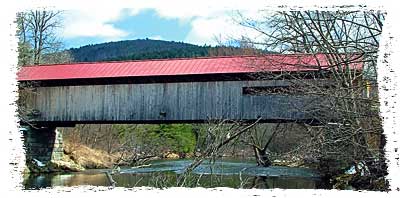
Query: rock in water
point(38, 163)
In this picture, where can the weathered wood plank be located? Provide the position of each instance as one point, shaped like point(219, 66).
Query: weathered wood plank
point(186, 101)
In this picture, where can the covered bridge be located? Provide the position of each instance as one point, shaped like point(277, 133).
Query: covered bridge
point(165, 91)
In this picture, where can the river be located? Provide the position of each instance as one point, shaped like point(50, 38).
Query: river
point(164, 173)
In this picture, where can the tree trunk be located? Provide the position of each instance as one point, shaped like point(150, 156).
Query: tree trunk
point(260, 182)
point(262, 157)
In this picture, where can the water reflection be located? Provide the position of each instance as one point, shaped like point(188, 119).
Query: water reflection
point(165, 174)
point(65, 179)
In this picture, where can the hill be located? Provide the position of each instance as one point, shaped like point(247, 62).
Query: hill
point(149, 49)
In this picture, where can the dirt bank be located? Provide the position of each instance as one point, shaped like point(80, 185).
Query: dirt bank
point(87, 157)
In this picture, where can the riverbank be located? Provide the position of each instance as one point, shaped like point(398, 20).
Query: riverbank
point(76, 158)
point(89, 158)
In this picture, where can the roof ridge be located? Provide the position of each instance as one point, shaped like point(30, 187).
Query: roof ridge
point(144, 60)
point(171, 59)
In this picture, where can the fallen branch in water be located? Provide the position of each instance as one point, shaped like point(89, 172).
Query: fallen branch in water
point(216, 142)
point(110, 179)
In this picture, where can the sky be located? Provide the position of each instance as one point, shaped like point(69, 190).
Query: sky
point(201, 23)
point(198, 22)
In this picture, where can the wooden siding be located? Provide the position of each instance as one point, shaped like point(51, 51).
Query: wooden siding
point(185, 101)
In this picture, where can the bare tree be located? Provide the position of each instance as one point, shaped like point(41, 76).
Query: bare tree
point(260, 139)
point(41, 25)
point(38, 39)
point(344, 46)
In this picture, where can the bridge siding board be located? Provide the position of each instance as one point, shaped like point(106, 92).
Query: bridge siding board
point(145, 102)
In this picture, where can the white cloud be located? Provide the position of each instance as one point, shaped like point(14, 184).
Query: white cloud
point(206, 30)
point(211, 30)
point(88, 29)
point(92, 23)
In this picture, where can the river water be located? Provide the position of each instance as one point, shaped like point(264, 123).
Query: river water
point(164, 173)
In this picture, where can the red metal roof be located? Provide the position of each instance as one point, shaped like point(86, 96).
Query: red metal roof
point(171, 67)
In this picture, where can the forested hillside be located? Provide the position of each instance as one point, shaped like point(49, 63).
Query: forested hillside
point(150, 49)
